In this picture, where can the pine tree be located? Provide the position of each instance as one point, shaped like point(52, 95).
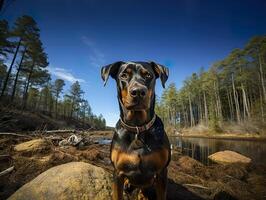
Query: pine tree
point(58, 88)
point(25, 29)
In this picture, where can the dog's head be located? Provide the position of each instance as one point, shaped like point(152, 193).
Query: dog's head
point(135, 82)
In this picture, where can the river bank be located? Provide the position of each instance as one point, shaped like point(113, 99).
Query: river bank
point(188, 178)
point(224, 136)
point(244, 131)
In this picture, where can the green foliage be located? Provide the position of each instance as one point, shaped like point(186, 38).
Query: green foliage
point(58, 86)
point(232, 90)
point(26, 83)
point(5, 44)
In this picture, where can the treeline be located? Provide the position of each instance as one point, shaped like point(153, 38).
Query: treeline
point(25, 82)
point(231, 90)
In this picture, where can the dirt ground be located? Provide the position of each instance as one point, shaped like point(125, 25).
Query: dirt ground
point(188, 178)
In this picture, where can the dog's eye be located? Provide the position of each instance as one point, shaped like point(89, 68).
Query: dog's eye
point(124, 76)
point(147, 76)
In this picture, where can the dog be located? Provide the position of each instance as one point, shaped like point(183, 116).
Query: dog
point(140, 150)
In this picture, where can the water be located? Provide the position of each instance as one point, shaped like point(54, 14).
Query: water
point(201, 148)
point(104, 141)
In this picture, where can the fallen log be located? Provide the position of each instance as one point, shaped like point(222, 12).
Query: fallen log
point(60, 131)
point(16, 134)
point(6, 171)
point(54, 138)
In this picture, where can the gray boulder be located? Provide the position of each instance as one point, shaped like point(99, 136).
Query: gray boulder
point(74, 180)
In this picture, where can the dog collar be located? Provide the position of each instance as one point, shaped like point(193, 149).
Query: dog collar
point(139, 129)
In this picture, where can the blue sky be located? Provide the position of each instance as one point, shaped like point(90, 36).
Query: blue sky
point(80, 36)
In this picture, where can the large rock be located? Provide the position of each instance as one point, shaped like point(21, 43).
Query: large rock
point(32, 145)
point(75, 180)
point(228, 157)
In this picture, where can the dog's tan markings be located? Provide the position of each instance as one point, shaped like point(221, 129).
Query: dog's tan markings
point(117, 188)
point(130, 115)
point(124, 95)
point(159, 158)
point(127, 158)
point(129, 70)
point(119, 158)
point(114, 155)
point(149, 95)
point(157, 70)
point(141, 196)
point(141, 115)
point(143, 72)
point(126, 182)
point(150, 92)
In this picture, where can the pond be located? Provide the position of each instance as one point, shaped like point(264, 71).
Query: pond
point(201, 148)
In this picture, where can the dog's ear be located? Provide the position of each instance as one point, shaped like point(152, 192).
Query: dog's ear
point(160, 71)
point(110, 70)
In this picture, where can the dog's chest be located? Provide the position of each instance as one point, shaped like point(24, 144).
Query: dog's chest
point(143, 156)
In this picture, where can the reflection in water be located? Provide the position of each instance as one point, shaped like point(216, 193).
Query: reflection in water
point(201, 148)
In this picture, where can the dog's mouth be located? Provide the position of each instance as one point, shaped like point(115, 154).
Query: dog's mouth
point(136, 104)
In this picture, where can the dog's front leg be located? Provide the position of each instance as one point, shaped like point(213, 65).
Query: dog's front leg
point(161, 185)
point(117, 187)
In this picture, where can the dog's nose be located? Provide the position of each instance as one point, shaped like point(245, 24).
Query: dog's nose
point(138, 92)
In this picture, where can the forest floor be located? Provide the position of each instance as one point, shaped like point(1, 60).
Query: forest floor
point(188, 178)
point(14, 120)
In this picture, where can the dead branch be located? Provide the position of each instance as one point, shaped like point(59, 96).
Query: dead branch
point(197, 186)
point(4, 156)
point(8, 170)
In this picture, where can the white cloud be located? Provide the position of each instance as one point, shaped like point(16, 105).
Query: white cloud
point(96, 58)
point(65, 75)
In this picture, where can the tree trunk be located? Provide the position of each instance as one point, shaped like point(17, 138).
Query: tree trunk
point(64, 111)
point(192, 122)
point(56, 102)
point(17, 74)
point(230, 103)
point(245, 105)
point(72, 107)
point(201, 110)
point(10, 69)
point(249, 99)
point(218, 102)
point(25, 96)
point(184, 115)
point(205, 109)
point(262, 78)
point(236, 100)
point(39, 102)
point(261, 107)
point(50, 105)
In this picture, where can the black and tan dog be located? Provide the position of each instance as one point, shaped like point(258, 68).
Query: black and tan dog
point(140, 150)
